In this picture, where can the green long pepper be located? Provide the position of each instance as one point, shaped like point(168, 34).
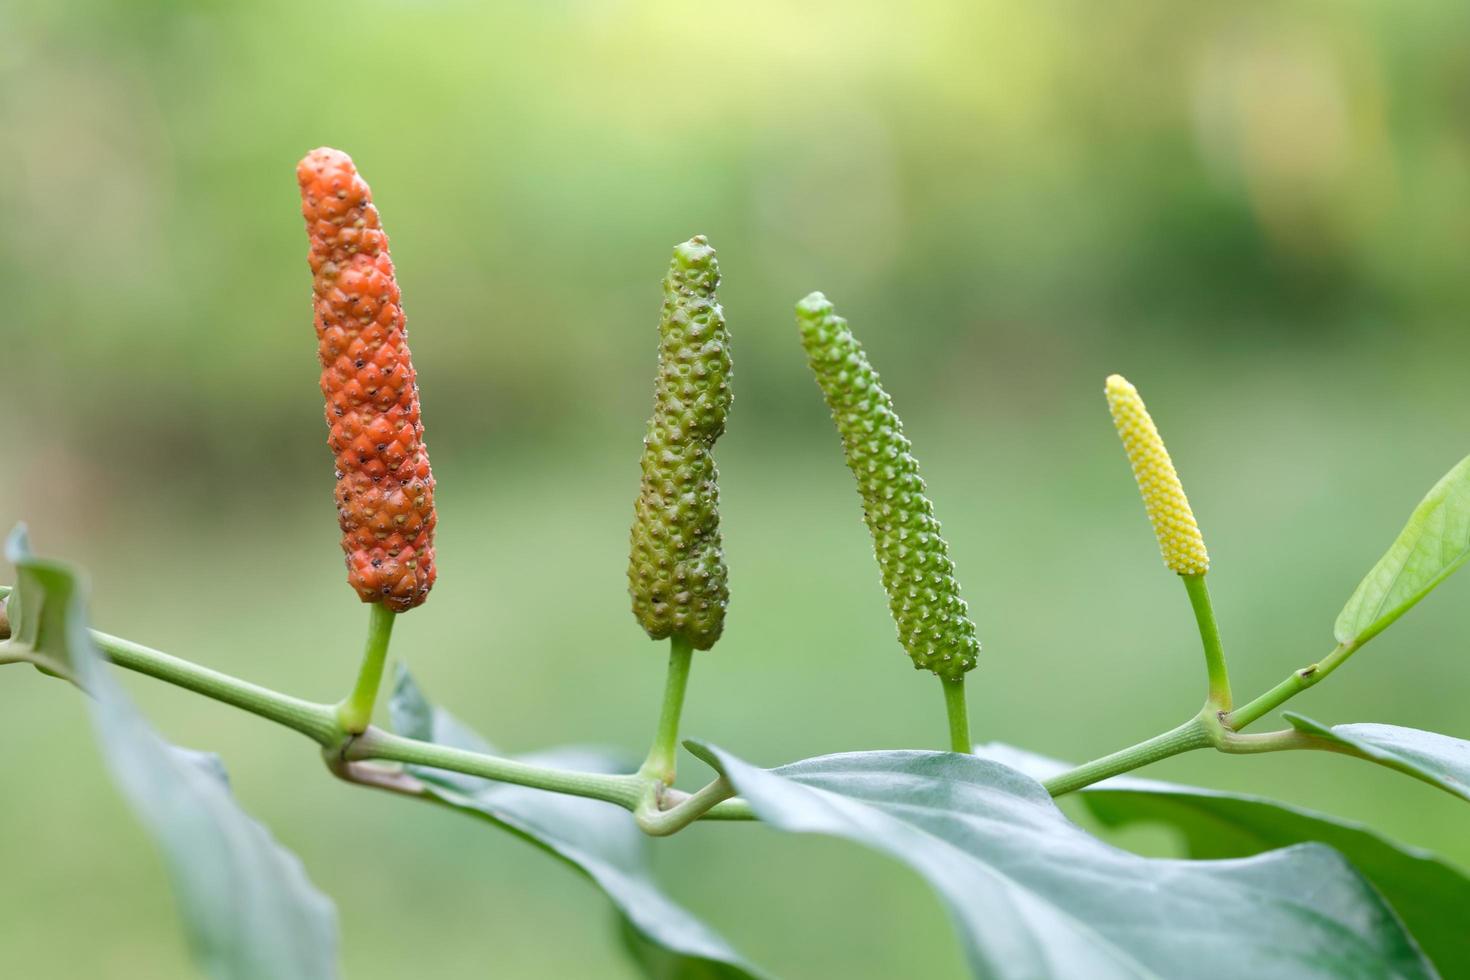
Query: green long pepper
point(933, 621)
point(676, 566)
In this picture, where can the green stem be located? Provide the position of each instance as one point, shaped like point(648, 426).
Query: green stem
point(1218, 696)
point(316, 721)
point(663, 755)
point(959, 715)
point(355, 712)
point(734, 809)
point(319, 722)
point(1193, 734)
point(625, 791)
point(1296, 683)
point(349, 757)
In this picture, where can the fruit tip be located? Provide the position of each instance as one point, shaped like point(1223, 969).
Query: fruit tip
point(814, 304)
point(697, 251)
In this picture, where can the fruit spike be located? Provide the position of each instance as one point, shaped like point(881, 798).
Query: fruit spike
point(676, 568)
point(933, 622)
point(385, 489)
point(1180, 541)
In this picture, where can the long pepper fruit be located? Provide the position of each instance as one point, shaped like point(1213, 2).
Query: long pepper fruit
point(933, 622)
point(385, 489)
point(676, 566)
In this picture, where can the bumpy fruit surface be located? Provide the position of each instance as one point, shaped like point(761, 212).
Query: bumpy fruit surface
point(676, 568)
point(933, 621)
point(1180, 542)
point(385, 490)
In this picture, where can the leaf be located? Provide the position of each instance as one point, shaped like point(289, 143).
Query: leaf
point(1428, 892)
point(1033, 895)
point(659, 962)
point(247, 905)
point(598, 839)
point(38, 630)
point(1434, 543)
point(1437, 759)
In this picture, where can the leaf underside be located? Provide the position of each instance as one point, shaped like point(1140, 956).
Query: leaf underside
point(599, 839)
point(248, 908)
point(1436, 759)
point(1429, 893)
point(1033, 895)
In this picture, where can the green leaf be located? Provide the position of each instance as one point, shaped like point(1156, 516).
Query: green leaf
point(1033, 895)
point(1437, 759)
point(38, 629)
point(598, 839)
point(1428, 892)
point(1434, 543)
point(659, 962)
point(247, 905)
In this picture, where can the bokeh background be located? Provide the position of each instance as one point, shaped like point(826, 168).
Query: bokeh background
point(1258, 212)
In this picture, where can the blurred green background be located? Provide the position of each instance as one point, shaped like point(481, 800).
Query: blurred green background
point(1258, 212)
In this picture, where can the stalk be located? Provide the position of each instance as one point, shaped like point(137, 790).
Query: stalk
point(663, 755)
point(959, 715)
point(1189, 736)
point(1209, 634)
point(355, 712)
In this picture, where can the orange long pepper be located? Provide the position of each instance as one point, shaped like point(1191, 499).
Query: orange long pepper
point(385, 489)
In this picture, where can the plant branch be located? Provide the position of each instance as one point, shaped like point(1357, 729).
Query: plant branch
point(349, 756)
point(355, 712)
point(1221, 728)
point(316, 721)
point(959, 715)
point(1296, 683)
point(1193, 734)
point(1218, 695)
point(663, 755)
point(625, 791)
point(659, 810)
